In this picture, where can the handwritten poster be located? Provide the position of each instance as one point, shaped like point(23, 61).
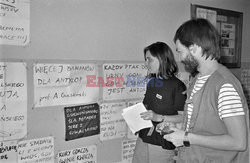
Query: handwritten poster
point(36, 150)
point(15, 22)
point(8, 152)
point(82, 121)
point(123, 81)
point(128, 147)
point(64, 84)
point(78, 155)
point(245, 81)
point(13, 100)
point(112, 123)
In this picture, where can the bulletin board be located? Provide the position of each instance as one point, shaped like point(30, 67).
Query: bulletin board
point(229, 25)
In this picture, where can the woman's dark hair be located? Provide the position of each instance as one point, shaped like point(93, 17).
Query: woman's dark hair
point(164, 54)
point(202, 33)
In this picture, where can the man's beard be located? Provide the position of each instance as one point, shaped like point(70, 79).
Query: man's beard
point(191, 65)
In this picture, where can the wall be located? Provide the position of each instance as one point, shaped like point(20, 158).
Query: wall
point(101, 30)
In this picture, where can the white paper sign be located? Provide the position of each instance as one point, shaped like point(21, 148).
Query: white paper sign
point(128, 147)
point(13, 101)
point(8, 152)
point(78, 155)
point(15, 22)
point(36, 150)
point(112, 123)
point(130, 134)
point(133, 118)
point(124, 81)
point(64, 84)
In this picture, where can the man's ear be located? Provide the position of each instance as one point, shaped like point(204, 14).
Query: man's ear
point(193, 48)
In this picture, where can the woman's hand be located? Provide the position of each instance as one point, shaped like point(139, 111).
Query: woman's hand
point(150, 115)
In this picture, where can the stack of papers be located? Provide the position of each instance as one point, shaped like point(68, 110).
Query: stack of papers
point(133, 119)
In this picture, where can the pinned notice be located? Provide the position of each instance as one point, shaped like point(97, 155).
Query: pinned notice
point(36, 150)
point(13, 101)
point(111, 121)
point(15, 22)
point(82, 121)
point(133, 118)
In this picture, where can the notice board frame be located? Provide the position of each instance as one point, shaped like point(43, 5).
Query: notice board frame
point(229, 25)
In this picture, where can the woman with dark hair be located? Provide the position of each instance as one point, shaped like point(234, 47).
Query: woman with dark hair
point(164, 98)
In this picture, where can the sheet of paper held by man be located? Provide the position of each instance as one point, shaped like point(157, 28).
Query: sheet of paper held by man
point(133, 119)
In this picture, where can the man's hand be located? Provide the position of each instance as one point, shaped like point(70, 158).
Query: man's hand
point(176, 137)
point(164, 127)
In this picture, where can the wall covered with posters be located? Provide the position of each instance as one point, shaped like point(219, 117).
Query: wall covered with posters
point(68, 68)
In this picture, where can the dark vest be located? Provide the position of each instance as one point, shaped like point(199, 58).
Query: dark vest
point(205, 120)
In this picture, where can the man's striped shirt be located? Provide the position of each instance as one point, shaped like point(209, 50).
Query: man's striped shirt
point(229, 102)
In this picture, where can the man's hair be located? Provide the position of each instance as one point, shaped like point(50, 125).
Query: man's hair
point(168, 66)
point(202, 33)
